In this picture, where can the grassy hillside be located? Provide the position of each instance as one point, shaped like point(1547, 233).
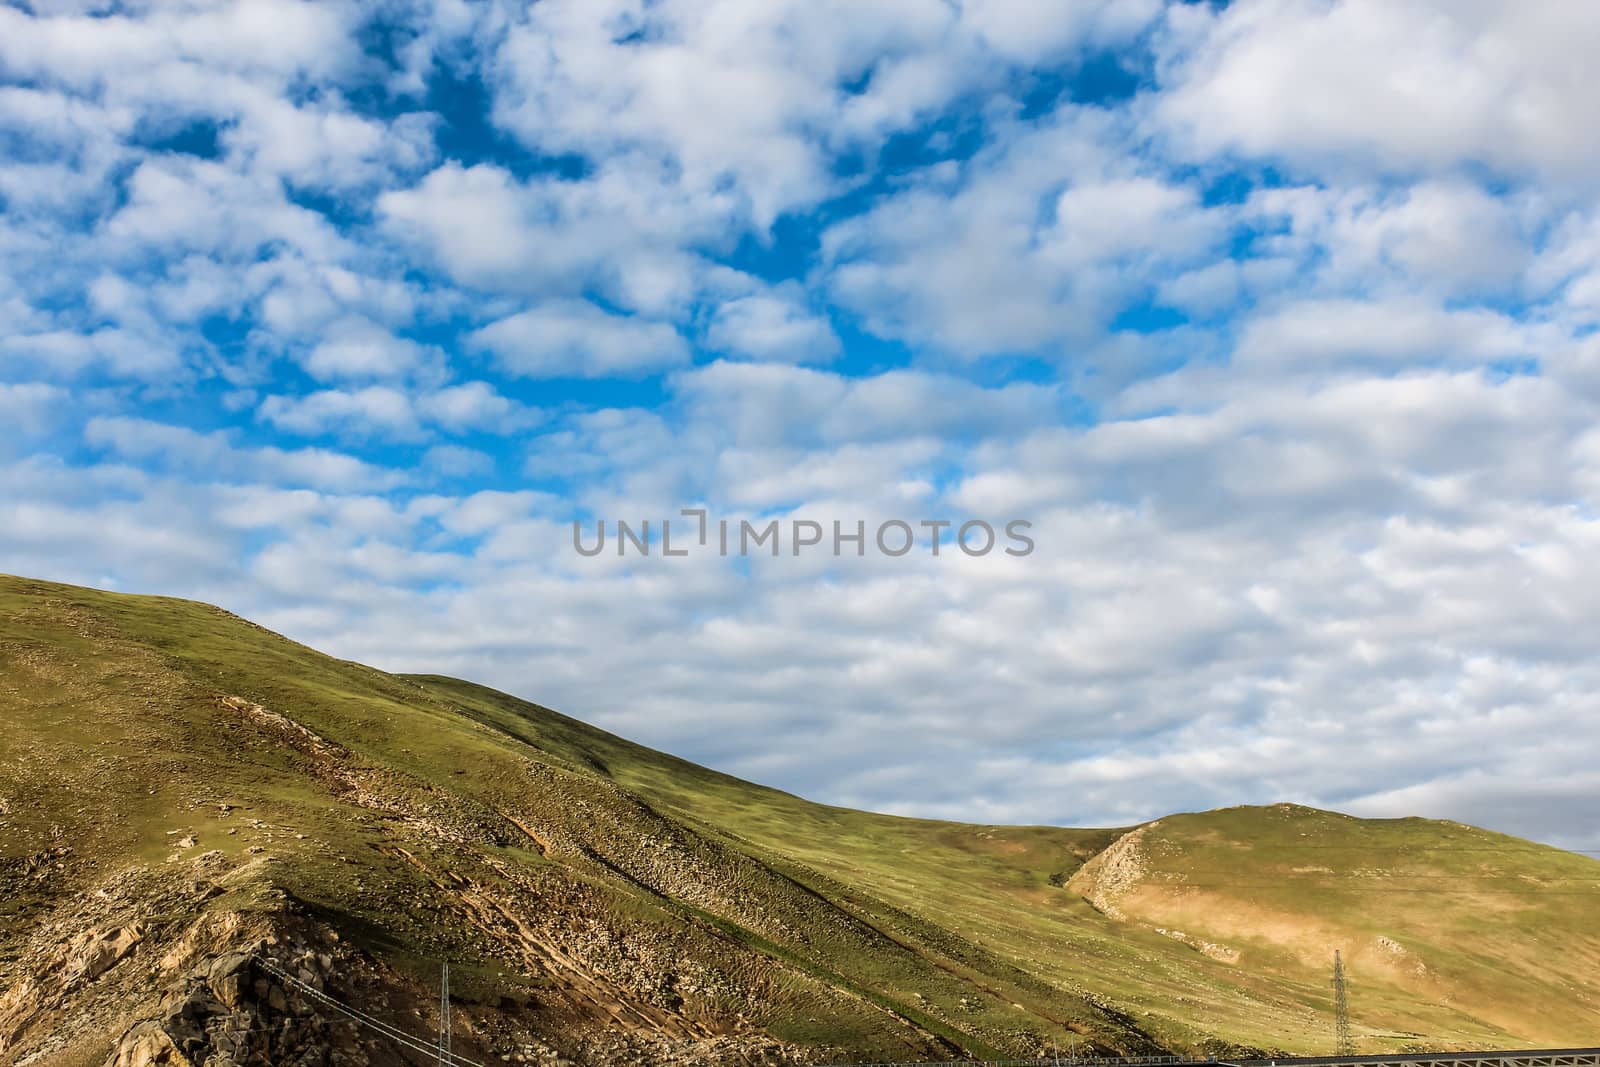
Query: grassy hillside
point(597, 898)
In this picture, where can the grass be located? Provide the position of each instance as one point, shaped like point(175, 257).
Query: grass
point(871, 933)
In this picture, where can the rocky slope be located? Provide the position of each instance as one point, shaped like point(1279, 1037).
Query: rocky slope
point(215, 844)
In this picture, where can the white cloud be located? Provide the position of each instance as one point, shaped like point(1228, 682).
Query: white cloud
point(772, 326)
point(485, 511)
point(759, 404)
point(388, 412)
point(1133, 216)
point(30, 409)
point(1448, 239)
point(475, 407)
point(211, 455)
point(578, 339)
point(1031, 31)
point(1036, 242)
point(326, 148)
point(626, 231)
point(206, 207)
point(1400, 88)
point(275, 38)
point(1317, 334)
point(375, 410)
point(355, 348)
point(66, 353)
point(757, 99)
point(457, 461)
point(234, 65)
point(474, 219)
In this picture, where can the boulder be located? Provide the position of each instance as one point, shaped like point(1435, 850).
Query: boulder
point(148, 1045)
point(97, 951)
point(229, 979)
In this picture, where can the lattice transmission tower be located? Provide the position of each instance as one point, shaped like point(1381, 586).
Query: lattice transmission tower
point(1343, 1043)
point(446, 1059)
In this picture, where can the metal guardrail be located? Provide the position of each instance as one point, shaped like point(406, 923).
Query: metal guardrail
point(1048, 1061)
point(1567, 1057)
point(1051, 1061)
point(1559, 1057)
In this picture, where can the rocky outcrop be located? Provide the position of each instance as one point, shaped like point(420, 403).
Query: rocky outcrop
point(94, 953)
point(1113, 873)
point(231, 1013)
point(163, 967)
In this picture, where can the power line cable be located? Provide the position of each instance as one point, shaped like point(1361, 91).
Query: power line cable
point(408, 1040)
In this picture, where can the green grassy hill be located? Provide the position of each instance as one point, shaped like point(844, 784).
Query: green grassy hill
point(178, 785)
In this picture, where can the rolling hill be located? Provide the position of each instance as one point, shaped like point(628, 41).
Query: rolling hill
point(205, 828)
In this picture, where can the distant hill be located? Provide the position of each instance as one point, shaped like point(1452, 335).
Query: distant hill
point(192, 807)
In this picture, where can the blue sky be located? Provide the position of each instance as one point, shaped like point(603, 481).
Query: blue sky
point(1276, 319)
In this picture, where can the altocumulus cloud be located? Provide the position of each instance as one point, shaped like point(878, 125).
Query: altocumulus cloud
point(1277, 319)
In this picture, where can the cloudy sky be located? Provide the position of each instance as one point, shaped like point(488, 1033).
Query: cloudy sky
point(1277, 319)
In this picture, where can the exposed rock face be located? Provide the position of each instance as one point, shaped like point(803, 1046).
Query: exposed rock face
point(97, 951)
point(230, 1013)
point(1115, 872)
point(149, 1045)
point(155, 966)
point(1107, 879)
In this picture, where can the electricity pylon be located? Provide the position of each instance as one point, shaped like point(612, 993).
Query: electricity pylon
point(1344, 1044)
point(445, 1057)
